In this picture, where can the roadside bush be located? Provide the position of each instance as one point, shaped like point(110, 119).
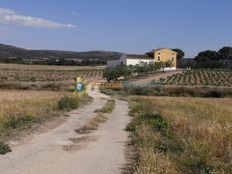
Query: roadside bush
point(155, 120)
point(17, 121)
point(4, 148)
point(68, 103)
point(213, 94)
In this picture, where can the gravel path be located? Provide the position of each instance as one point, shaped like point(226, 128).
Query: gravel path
point(62, 151)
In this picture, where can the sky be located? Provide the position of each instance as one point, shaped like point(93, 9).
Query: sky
point(129, 26)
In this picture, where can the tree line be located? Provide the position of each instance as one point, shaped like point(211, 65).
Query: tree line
point(113, 74)
point(63, 62)
point(221, 59)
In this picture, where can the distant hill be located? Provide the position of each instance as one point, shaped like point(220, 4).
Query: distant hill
point(12, 52)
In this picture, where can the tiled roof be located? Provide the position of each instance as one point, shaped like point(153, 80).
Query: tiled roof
point(159, 49)
point(137, 56)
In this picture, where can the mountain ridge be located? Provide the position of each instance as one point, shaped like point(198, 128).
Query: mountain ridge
point(11, 52)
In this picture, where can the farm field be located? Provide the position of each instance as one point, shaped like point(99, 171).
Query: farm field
point(41, 73)
point(221, 78)
point(24, 106)
point(46, 67)
point(181, 135)
point(20, 109)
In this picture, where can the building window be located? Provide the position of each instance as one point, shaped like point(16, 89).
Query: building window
point(158, 53)
point(158, 58)
point(121, 63)
point(173, 58)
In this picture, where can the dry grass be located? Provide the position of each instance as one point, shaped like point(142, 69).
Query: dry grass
point(13, 95)
point(100, 117)
point(215, 110)
point(198, 140)
point(95, 122)
point(21, 109)
point(108, 108)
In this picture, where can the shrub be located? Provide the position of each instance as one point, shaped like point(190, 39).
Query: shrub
point(155, 120)
point(4, 148)
point(17, 121)
point(160, 124)
point(213, 94)
point(68, 103)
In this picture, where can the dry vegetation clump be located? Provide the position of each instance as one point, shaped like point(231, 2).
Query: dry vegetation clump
point(101, 117)
point(108, 108)
point(4, 148)
point(188, 135)
point(94, 123)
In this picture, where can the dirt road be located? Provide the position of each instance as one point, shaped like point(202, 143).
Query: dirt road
point(63, 151)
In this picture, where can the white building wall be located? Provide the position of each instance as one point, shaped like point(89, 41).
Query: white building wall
point(138, 61)
point(126, 61)
point(170, 69)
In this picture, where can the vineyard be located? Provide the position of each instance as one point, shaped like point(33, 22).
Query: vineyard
point(200, 78)
point(43, 75)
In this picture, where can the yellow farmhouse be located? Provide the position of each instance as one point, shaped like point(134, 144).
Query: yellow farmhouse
point(164, 55)
point(156, 55)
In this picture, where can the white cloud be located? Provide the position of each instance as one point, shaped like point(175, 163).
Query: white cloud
point(10, 16)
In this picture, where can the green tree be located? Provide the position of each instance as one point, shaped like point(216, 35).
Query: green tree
point(139, 70)
point(160, 66)
point(169, 63)
point(111, 74)
point(226, 53)
point(180, 53)
point(208, 55)
point(125, 71)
